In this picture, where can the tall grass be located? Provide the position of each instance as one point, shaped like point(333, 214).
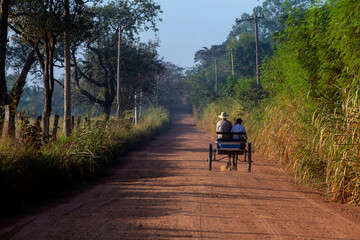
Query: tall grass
point(337, 140)
point(29, 174)
point(321, 147)
point(286, 136)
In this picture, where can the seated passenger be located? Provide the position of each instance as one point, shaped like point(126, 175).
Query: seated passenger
point(238, 128)
point(224, 126)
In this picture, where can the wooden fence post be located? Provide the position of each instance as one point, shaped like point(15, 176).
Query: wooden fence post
point(38, 121)
point(6, 123)
point(72, 123)
point(56, 126)
point(23, 128)
point(78, 121)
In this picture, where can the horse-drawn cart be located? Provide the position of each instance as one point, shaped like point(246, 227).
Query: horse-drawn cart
point(232, 148)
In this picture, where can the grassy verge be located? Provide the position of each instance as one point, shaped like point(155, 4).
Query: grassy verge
point(29, 174)
point(279, 132)
point(319, 145)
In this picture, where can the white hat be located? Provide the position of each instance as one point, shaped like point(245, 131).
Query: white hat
point(223, 115)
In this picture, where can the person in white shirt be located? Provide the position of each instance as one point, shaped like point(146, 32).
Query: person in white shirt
point(239, 129)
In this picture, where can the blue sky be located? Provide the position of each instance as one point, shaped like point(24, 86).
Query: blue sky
point(189, 25)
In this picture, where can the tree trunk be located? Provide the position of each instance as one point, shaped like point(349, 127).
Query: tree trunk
point(4, 13)
point(18, 87)
point(3, 41)
point(107, 111)
point(118, 86)
point(46, 115)
point(67, 77)
point(47, 95)
point(8, 129)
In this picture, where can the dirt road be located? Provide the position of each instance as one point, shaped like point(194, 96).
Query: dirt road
point(166, 192)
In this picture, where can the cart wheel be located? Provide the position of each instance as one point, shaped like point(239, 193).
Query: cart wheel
point(210, 156)
point(249, 157)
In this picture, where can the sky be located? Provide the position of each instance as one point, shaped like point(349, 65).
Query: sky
point(190, 25)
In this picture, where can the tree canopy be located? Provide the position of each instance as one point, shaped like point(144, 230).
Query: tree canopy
point(38, 27)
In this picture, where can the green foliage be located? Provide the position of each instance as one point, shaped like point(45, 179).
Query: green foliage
point(244, 58)
point(343, 37)
point(200, 81)
point(96, 63)
point(313, 83)
point(244, 90)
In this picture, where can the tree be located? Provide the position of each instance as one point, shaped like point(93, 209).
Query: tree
point(240, 41)
point(95, 74)
point(14, 97)
point(275, 13)
point(10, 101)
point(138, 60)
point(206, 56)
point(40, 25)
point(67, 77)
point(167, 85)
point(4, 13)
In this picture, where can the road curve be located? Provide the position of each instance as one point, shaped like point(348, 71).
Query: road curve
point(165, 191)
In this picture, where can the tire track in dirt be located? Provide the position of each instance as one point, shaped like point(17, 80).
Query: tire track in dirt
point(166, 192)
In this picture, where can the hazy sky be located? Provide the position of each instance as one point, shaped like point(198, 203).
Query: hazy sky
point(189, 25)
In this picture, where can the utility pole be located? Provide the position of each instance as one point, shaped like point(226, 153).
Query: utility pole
point(255, 18)
point(141, 99)
point(157, 91)
point(216, 78)
point(136, 108)
point(118, 92)
point(232, 63)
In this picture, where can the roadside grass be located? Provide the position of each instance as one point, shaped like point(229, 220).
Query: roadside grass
point(321, 147)
point(29, 174)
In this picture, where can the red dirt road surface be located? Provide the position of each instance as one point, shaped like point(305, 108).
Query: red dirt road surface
point(165, 191)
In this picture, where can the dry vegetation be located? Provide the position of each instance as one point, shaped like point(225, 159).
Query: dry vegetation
point(31, 172)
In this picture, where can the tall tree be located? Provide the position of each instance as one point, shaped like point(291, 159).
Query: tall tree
point(4, 13)
point(95, 74)
point(167, 85)
point(132, 17)
point(10, 101)
point(14, 97)
point(67, 76)
point(41, 25)
point(240, 41)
